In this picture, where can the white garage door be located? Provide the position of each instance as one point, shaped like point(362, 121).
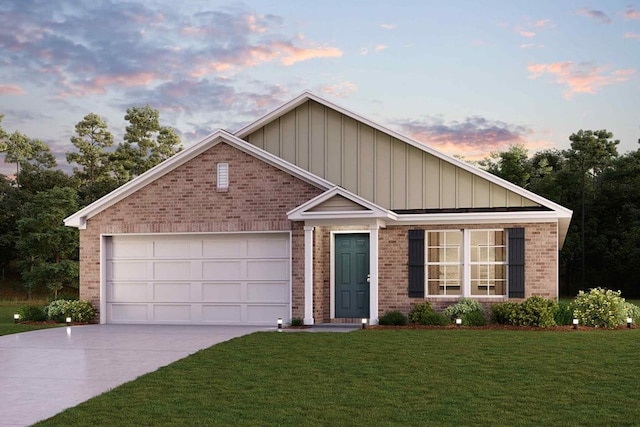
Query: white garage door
point(198, 279)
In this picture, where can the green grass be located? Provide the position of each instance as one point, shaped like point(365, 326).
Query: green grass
point(7, 326)
point(386, 378)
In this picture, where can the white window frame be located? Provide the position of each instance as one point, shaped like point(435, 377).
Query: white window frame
point(465, 264)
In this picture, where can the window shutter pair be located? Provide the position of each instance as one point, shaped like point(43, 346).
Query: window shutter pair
point(515, 245)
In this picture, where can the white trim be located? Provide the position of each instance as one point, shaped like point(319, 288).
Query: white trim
point(103, 278)
point(373, 274)
point(308, 275)
point(79, 218)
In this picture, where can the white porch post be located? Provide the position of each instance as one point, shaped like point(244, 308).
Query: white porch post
point(308, 275)
point(373, 271)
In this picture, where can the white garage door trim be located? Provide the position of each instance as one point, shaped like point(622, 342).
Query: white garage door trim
point(196, 278)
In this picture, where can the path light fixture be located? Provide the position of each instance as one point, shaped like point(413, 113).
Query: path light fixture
point(458, 322)
point(575, 323)
point(16, 318)
point(279, 323)
point(68, 321)
point(364, 323)
point(629, 322)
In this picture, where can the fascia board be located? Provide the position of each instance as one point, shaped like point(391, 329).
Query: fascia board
point(470, 218)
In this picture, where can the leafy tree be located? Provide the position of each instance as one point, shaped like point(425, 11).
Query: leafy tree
point(22, 150)
point(94, 172)
point(145, 145)
point(48, 251)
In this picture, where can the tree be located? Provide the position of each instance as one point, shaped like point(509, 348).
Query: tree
point(48, 251)
point(22, 150)
point(94, 174)
point(145, 145)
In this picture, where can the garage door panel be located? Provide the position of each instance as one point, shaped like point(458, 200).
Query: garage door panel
point(223, 292)
point(267, 314)
point(171, 313)
point(267, 292)
point(267, 248)
point(167, 292)
point(127, 292)
point(222, 248)
point(267, 269)
point(221, 270)
point(241, 278)
point(127, 270)
point(128, 312)
point(171, 249)
point(172, 270)
point(222, 313)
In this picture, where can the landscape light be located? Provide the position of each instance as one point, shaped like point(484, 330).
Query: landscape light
point(68, 320)
point(16, 318)
point(458, 322)
point(364, 323)
point(279, 322)
point(575, 323)
point(629, 322)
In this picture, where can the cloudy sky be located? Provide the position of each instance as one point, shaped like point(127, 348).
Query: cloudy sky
point(466, 77)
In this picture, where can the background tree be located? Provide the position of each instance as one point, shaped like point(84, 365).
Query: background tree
point(94, 166)
point(511, 165)
point(48, 250)
point(145, 145)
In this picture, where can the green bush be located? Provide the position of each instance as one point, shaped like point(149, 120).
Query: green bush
point(503, 313)
point(600, 308)
point(474, 318)
point(419, 311)
point(563, 315)
point(462, 307)
point(79, 311)
point(297, 321)
point(537, 311)
point(393, 318)
point(435, 319)
point(34, 313)
point(632, 311)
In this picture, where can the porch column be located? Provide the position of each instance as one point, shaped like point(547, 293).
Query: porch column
point(308, 275)
point(373, 271)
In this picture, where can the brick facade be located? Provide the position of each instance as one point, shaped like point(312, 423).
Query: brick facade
point(186, 200)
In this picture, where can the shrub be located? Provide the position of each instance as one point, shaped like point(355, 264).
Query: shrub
point(632, 311)
point(474, 318)
point(537, 311)
point(563, 315)
point(435, 319)
point(79, 311)
point(32, 312)
point(394, 318)
point(463, 306)
point(297, 321)
point(503, 314)
point(419, 311)
point(601, 308)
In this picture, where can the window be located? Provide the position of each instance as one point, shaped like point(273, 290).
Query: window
point(223, 177)
point(466, 262)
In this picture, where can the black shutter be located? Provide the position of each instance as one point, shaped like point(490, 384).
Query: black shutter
point(416, 263)
point(516, 262)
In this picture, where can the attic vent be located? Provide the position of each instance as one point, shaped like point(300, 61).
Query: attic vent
point(223, 177)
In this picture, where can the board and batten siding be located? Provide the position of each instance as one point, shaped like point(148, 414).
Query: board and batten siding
point(375, 165)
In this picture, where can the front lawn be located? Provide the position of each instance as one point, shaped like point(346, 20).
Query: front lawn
point(7, 325)
point(386, 377)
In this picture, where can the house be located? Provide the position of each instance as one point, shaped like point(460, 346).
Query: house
point(312, 212)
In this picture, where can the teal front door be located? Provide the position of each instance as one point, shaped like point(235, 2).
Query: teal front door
point(352, 275)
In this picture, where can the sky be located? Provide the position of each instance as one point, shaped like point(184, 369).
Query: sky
point(465, 77)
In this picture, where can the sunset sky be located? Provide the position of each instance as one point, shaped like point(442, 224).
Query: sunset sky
point(466, 77)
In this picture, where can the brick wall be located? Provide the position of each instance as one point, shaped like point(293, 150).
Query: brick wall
point(185, 200)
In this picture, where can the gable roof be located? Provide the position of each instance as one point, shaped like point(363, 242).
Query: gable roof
point(79, 218)
point(556, 211)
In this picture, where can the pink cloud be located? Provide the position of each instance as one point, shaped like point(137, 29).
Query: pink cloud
point(527, 34)
point(631, 36)
point(98, 84)
point(289, 55)
point(631, 13)
point(597, 15)
point(339, 90)
point(543, 23)
point(11, 90)
point(580, 78)
point(381, 47)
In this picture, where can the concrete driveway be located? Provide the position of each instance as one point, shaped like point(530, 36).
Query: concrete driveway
point(46, 371)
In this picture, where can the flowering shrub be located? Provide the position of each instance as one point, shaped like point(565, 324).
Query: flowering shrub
point(601, 308)
point(470, 311)
point(79, 311)
point(632, 311)
point(419, 311)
